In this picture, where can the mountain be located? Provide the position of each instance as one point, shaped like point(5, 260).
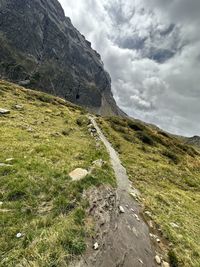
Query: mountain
point(195, 140)
point(43, 211)
point(40, 48)
point(43, 139)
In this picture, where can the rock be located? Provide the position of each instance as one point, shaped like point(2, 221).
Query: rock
point(18, 107)
point(5, 165)
point(78, 174)
point(9, 160)
point(96, 246)
point(148, 213)
point(165, 264)
point(135, 195)
point(90, 125)
point(174, 225)
point(153, 236)
point(1, 203)
point(98, 163)
point(30, 130)
point(121, 209)
point(137, 218)
point(4, 111)
point(151, 224)
point(140, 261)
point(18, 235)
point(158, 240)
point(24, 83)
point(158, 259)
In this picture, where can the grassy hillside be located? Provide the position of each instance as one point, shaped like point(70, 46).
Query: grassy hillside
point(167, 172)
point(41, 141)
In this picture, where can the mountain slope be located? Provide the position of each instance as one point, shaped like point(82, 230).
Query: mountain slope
point(195, 141)
point(43, 139)
point(40, 48)
point(167, 173)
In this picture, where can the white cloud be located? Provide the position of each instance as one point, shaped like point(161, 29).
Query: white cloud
point(151, 49)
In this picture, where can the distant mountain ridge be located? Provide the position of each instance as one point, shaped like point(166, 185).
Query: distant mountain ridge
point(195, 140)
point(40, 48)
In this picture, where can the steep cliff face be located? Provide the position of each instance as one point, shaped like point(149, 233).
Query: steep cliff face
point(40, 48)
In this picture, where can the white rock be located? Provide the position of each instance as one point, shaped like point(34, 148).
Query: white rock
point(4, 111)
point(78, 174)
point(153, 236)
point(158, 240)
point(1, 203)
point(98, 163)
point(19, 107)
point(148, 213)
point(5, 165)
point(96, 246)
point(121, 209)
point(165, 264)
point(140, 261)
point(18, 235)
point(174, 225)
point(158, 259)
point(137, 218)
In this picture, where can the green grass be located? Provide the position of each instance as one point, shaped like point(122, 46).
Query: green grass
point(46, 141)
point(167, 172)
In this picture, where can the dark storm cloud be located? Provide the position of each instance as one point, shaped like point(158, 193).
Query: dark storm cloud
point(151, 49)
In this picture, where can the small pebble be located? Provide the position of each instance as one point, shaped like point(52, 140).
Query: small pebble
point(165, 264)
point(18, 235)
point(158, 259)
point(140, 261)
point(96, 246)
point(137, 218)
point(121, 209)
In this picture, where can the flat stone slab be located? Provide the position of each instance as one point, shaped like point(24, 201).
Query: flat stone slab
point(78, 174)
point(4, 111)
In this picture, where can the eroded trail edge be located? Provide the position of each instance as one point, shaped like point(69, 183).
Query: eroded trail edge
point(123, 237)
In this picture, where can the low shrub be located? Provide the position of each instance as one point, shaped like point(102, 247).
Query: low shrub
point(171, 155)
point(145, 138)
point(82, 121)
point(135, 126)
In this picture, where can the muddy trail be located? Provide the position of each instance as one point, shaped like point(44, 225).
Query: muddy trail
point(123, 237)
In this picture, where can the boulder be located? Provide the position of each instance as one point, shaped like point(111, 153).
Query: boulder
point(78, 174)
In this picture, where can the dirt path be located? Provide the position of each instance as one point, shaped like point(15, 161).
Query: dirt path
point(125, 239)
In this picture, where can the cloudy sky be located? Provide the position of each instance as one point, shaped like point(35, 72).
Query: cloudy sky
point(151, 48)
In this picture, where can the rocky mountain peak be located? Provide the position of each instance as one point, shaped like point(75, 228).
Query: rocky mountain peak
point(40, 48)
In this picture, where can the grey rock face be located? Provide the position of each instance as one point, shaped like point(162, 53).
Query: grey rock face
point(40, 48)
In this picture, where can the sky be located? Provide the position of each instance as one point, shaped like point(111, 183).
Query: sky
point(151, 49)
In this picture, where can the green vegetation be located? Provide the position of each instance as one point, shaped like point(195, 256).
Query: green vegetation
point(41, 141)
point(167, 172)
